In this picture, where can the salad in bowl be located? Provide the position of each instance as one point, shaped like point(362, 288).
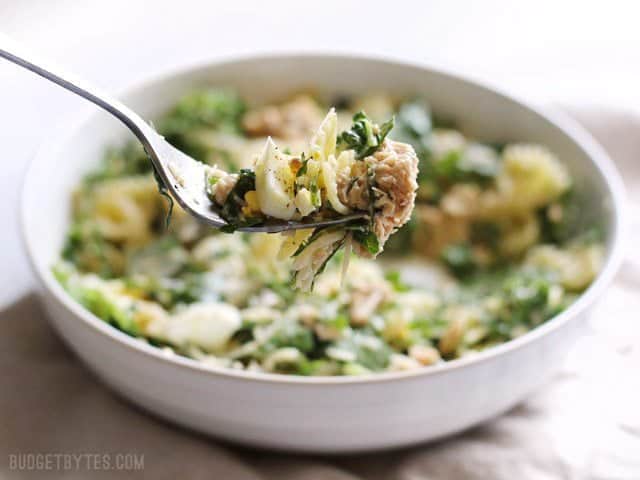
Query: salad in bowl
point(478, 242)
point(515, 230)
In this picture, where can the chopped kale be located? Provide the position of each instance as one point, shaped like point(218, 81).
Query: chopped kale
point(90, 251)
point(303, 169)
point(459, 258)
point(414, 126)
point(475, 164)
point(339, 322)
point(105, 308)
point(231, 211)
point(447, 168)
point(292, 334)
point(130, 159)
point(559, 221)
point(364, 137)
point(168, 292)
point(283, 290)
point(369, 350)
point(413, 123)
point(525, 303)
point(213, 108)
point(318, 367)
point(368, 240)
point(216, 109)
point(394, 278)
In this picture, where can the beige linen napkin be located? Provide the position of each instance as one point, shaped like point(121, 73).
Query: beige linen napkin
point(583, 425)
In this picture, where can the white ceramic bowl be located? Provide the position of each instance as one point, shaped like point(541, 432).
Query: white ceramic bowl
point(317, 414)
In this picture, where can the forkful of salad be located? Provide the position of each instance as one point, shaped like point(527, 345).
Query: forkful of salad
point(352, 189)
point(358, 178)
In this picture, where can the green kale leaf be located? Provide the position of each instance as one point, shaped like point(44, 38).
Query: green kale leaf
point(364, 136)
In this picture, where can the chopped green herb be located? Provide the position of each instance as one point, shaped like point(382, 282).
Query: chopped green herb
point(368, 240)
point(119, 162)
point(476, 164)
point(394, 278)
point(220, 109)
point(231, 211)
point(459, 258)
point(364, 137)
point(369, 350)
point(213, 109)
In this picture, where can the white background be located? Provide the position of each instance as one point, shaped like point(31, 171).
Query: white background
point(569, 52)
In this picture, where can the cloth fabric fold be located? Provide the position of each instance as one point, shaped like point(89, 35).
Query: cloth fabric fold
point(585, 424)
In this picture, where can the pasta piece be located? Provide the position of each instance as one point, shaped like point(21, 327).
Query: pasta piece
point(323, 142)
point(124, 209)
point(576, 266)
point(531, 177)
point(519, 234)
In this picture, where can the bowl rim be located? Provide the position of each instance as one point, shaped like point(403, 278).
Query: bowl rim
point(569, 127)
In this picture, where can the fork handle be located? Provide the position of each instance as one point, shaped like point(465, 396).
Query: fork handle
point(10, 50)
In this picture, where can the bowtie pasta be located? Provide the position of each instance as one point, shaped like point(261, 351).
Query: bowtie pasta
point(492, 248)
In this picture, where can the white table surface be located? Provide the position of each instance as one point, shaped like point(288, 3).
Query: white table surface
point(572, 52)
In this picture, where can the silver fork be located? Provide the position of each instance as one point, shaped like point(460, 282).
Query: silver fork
point(183, 176)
